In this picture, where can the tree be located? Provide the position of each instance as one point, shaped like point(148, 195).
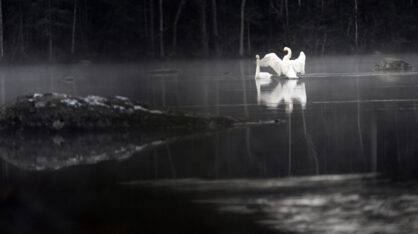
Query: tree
point(248, 37)
point(161, 29)
point(145, 19)
point(241, 37)
point(286, 7)
point(215, 27)
point(176, 21)
point(204, 32)
point(49, 17)
point(151, 19)
point(73, 27)
point(356, 24)
point(1, 32)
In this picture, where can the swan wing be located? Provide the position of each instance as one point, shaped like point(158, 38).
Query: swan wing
point(273, 61)
point(299, 63)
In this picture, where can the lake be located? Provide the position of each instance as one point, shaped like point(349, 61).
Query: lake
point(340, 156)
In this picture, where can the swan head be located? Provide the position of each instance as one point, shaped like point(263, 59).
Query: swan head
point(286, 49)
point(257, 56)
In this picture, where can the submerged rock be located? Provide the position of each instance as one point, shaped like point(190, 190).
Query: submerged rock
point(52, 111)
point(392, 64)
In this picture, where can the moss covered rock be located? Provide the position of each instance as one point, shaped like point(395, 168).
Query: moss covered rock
point(53, 111)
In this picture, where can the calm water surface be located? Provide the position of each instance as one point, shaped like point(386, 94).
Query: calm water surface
point(341, 159)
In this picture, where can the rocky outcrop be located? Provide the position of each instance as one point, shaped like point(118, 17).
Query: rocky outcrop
point(59, 112)
point(392, 64)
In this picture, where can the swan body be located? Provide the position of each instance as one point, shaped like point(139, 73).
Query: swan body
point(289, 68)
point(261, 75)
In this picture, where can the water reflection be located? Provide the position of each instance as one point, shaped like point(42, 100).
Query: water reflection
point(319, 204)
point(287, 92)
point(355, 123)
point(52, 152)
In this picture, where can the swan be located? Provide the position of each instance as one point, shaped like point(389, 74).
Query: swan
point(298, 64)
point(261, 75)
point(287, 67)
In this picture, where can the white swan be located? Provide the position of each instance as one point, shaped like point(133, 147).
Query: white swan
point(287, 67)
point(298, 64)
point(261, 75)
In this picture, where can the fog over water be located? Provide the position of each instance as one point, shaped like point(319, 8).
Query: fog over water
point(340, 159)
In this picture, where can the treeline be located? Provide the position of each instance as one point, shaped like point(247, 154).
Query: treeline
point(71, 30)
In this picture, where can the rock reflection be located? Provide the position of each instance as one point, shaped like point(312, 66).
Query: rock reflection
point(51, 152)
point(286, 91)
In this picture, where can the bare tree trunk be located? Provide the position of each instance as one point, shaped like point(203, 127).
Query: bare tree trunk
point(215, 27)
point(286, 8)
point(241, 38)
point(356, 24)
point(145, 19)
point(50, 31)
point(205, 41)
point(84, 26)
point(1, 32)
point(176, 21)
point(281, 7)
point(161, 30)
point(248, 37)
point(271, 23)
point(151, 15)
point(21, 31)
point(74, 25)
point(299, 3)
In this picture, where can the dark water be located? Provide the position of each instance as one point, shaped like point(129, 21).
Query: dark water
point(342, 158)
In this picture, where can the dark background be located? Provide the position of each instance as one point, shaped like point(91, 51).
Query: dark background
point(110, 30)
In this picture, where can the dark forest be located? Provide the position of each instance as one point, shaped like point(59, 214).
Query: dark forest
point(98, 30)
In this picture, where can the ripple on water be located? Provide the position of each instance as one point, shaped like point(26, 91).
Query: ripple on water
point(319, 204)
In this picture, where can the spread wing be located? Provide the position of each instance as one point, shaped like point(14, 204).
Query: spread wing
point(299, 63)
point(273, 61)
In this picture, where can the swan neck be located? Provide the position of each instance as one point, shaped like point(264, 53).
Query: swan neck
point(288, 55)
point(257, 69)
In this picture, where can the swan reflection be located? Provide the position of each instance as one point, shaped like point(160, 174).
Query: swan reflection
point(286, 91)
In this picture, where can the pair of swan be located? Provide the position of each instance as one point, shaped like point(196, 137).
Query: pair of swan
point(289, 68)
